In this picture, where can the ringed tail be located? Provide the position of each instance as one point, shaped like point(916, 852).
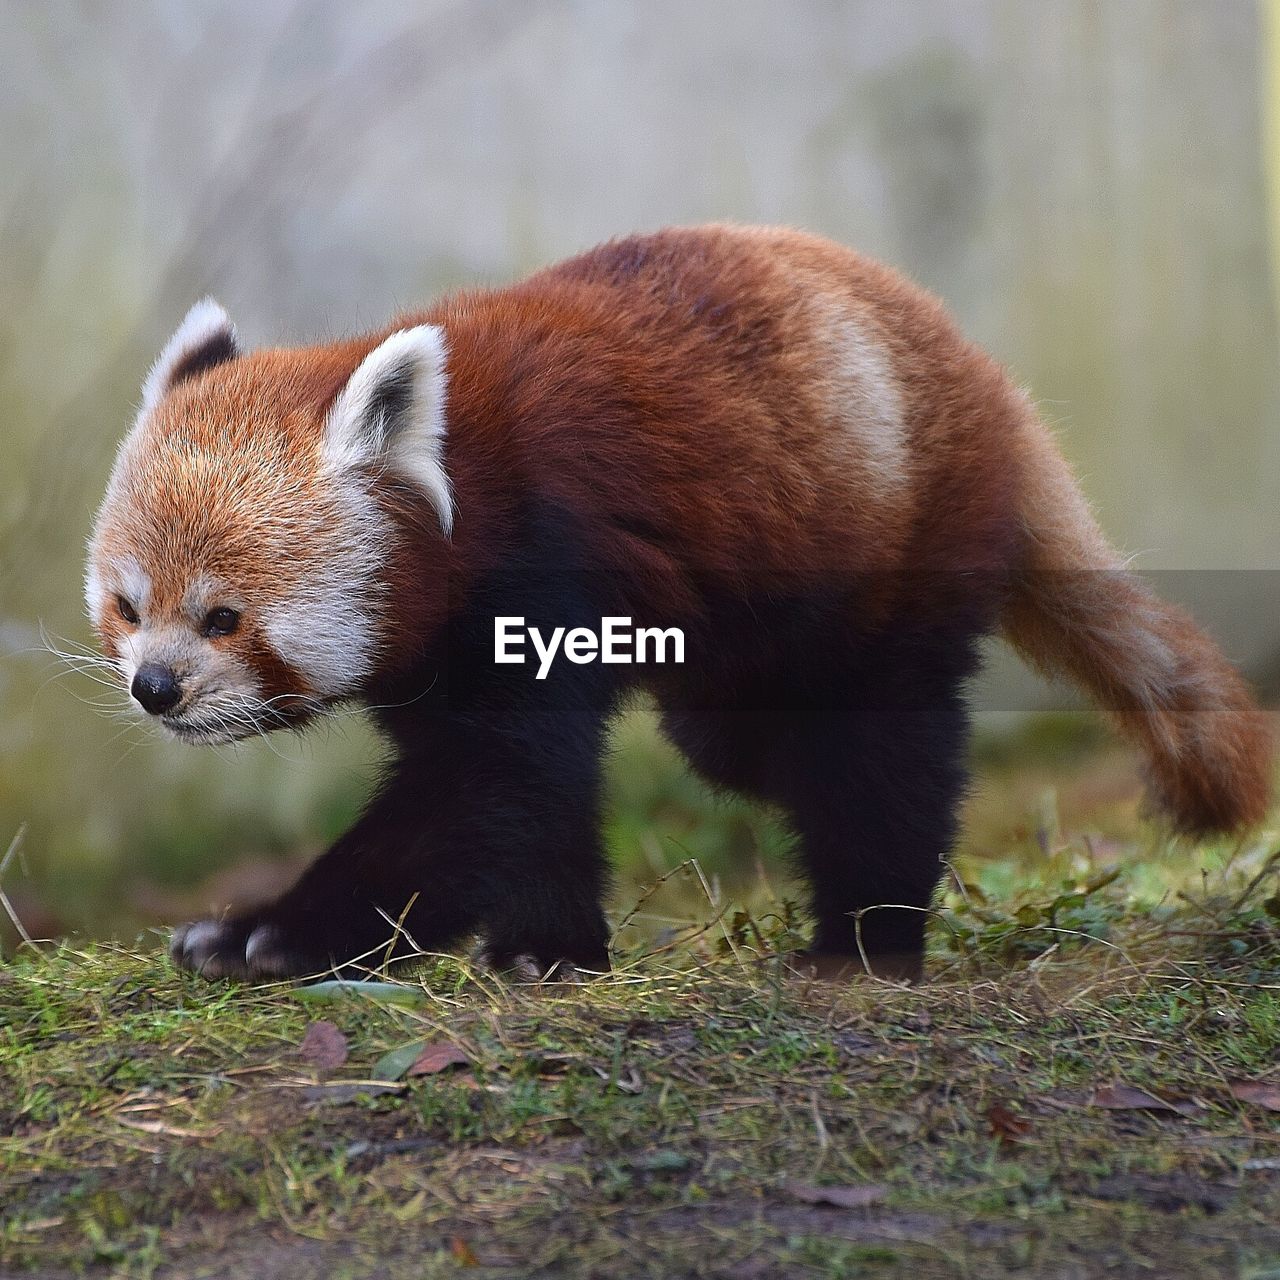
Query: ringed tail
point(1076, 610)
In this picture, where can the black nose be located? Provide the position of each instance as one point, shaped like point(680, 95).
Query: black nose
point(156, 687)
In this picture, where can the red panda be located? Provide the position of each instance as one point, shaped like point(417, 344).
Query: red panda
point(753, 434)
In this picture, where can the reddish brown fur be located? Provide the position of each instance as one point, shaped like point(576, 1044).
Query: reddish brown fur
point(680, 393)
point(725, 422)
point(1078, 611)
point(715, 428)
point(225, 460)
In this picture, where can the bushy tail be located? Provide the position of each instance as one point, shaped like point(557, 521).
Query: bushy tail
point(1076, 610)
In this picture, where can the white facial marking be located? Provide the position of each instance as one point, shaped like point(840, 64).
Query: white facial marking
point(135, 585)
point(95, 592)
point(129, 660)
point(328, 644)
point(392, 413)
point(326, 629)
point(206, 593)
point(122, 576)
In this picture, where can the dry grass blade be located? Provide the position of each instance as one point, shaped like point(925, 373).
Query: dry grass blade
point(12, 852)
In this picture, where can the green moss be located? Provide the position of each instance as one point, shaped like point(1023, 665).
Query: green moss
point(652, 1123)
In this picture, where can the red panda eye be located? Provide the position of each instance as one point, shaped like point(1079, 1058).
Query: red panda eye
point(221, 622)
point(127, 611)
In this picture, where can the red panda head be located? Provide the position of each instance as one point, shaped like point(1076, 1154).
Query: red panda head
point(238, 568)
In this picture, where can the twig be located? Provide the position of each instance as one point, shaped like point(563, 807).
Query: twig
point(399, 930)
point(711, 902)
point(685, 866)
point(12, 852)
point(1271, 864)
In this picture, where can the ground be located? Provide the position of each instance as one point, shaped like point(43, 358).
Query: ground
point(1088, 1083)
point(1036, 1109)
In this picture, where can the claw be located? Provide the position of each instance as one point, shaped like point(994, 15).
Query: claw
point(197, 946)
point(266, 955)
point(215, 949)
point(526, 967)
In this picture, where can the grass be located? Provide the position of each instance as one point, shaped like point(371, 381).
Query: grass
point(689, 1115)
point(1085, 1085)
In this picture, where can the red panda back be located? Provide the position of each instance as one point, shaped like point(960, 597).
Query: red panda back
point(783, 407)
point(871, 436)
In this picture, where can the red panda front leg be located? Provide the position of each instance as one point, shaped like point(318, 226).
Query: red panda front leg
point(338, 913)
point(485, 825)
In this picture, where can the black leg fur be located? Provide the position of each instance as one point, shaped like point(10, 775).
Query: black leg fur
point(487, 821)
point(869, 762)
point(874, 797)
point(491, 829)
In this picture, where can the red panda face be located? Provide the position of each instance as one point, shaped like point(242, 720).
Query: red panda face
point(235, 571)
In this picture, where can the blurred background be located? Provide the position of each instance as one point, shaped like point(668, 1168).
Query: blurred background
point(1092, 186)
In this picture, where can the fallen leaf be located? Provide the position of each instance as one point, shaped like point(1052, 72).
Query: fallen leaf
point(437, 1057)
point(324, 1046)
point(1127, 1097)
point(383, 992)
point(847, 1197)
point(393, 1064)
point(1261, 1093)
point(1007, 1126)
point(463, 1252)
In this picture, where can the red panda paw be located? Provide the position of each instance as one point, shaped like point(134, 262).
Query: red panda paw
point(235, 949)
point(526, 967)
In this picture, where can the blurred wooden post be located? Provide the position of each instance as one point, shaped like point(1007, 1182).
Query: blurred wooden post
point(1269, 89)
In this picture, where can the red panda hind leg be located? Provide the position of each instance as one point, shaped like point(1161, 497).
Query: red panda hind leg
point(865, 752)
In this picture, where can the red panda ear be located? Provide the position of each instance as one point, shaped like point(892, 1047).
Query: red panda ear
point(204, 339)
point(391, 415)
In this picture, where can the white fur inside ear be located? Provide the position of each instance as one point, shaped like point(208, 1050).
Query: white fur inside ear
point(391, 413)
point(206, 329)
